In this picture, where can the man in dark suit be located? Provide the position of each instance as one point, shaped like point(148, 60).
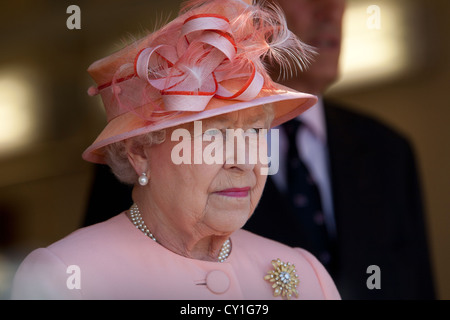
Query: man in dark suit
point(366, 175)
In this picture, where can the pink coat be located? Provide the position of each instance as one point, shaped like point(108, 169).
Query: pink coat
point(114, 260)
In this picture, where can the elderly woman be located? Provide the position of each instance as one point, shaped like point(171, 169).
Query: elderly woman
point(175, 102)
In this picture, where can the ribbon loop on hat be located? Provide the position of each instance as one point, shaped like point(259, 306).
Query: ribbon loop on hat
point(189, 73)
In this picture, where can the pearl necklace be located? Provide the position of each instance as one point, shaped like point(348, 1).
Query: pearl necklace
point(137, 220)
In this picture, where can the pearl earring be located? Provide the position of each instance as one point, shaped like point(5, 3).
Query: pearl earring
point(143, 179)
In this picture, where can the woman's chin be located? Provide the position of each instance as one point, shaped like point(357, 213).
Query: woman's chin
point(228, 221)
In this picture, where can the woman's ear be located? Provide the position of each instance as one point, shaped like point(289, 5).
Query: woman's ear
point(136, 156)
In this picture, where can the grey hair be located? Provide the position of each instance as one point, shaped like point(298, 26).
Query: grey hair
point(117, 156)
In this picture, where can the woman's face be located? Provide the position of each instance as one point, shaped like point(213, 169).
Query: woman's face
point(215, 198)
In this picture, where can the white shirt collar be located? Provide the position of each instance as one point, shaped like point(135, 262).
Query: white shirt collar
point(314, 119)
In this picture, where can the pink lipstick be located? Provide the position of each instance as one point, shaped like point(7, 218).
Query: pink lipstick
point(235, 192)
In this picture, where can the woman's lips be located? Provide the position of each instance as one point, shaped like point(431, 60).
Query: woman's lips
point(235, 192)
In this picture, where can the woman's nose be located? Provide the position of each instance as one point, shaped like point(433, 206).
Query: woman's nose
point(241, 150)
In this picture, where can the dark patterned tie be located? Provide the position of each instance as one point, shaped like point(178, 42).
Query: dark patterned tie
point(305, 200)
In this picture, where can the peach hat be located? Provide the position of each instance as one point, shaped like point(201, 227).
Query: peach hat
point(208, 61)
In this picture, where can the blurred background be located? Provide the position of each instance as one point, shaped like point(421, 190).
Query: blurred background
point(395, 66)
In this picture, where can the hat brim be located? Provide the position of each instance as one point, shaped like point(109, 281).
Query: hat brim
point(287, 104)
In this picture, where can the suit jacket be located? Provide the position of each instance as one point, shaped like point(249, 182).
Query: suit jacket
point(115, 260)
point(378, 211)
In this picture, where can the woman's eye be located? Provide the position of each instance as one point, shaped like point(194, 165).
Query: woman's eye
point(254, 130)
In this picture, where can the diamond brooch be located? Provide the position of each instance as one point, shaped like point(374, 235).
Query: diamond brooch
point(284, 278)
